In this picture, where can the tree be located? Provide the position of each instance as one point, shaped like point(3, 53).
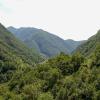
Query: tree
point(45, 96)
point(76, 60)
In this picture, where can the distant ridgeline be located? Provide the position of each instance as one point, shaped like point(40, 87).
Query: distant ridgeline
point(63, 77)
point(44, 42)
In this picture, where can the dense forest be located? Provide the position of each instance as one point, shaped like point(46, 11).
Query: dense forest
point(26, 75)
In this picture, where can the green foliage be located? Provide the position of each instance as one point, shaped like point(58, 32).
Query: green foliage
point(48, 82)
point(10, 44)
point(96, 57)
point(45, 96)
point(76, 60)
point(62, 77)
point(63, 63)
point(90, 45)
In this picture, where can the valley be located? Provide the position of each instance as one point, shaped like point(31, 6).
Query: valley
point(37, 65)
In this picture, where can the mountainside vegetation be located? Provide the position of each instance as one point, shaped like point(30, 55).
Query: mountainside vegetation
point(9, 43)
point(13, 54)
point(90, 46)
point(60, 78)
point(44, 42)
point(63, 77)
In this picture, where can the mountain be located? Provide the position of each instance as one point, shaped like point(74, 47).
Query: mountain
point(63, 77)
point(73, 44)
point(9, 45)
point(42, 41)
point(90, 46)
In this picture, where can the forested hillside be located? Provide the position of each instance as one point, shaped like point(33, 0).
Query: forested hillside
point(90, 46)
point(11, 44)
point(63, 77)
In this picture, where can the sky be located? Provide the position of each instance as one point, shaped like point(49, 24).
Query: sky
point(69, 19)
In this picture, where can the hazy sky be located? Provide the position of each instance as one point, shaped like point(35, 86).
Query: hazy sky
point(75, 19)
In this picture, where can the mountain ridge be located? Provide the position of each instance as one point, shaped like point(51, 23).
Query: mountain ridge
point(44, 42)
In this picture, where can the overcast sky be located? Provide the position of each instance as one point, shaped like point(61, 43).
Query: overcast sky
point(74, 19)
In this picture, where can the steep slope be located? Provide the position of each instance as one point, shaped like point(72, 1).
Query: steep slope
point(11, 45)
point(89, 47)
point(42, 41)
point(74, 44)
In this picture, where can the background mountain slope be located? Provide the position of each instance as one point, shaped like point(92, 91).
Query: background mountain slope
point(74, 44)
point(43, 41)
point(90, 46)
